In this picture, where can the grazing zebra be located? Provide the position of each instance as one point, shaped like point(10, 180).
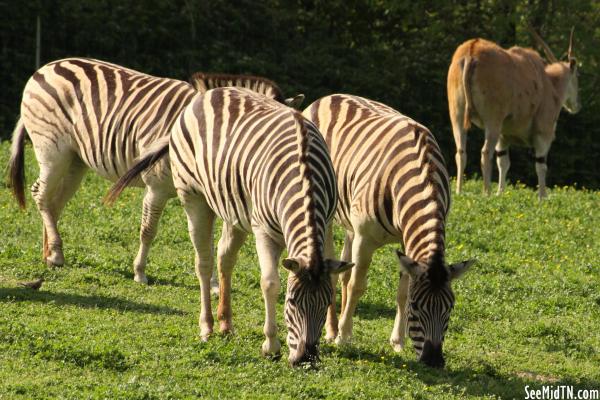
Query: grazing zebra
point(392, 187)
point(204, 81)
point(263, 169)
point(83, 113)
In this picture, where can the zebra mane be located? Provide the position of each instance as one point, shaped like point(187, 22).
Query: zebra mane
point(247, 81)
point(307, 189)
point(436, 272)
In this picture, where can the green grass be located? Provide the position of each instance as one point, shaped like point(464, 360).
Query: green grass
point(528, 313)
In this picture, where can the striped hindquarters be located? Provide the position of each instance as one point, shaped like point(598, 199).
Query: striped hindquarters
point(389, 168)
point(107, 114)
point(257, 163)
point(205, 81)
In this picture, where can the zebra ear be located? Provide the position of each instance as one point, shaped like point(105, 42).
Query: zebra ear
point(458, 269)
point(291, 264)
point(295, 102)
point(407, 265)
point(335, 266)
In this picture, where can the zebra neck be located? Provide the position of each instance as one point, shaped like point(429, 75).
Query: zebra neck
point(305, 243)
point(426, 241)
point(306, 235)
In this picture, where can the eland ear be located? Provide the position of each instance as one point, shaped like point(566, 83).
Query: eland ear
point(458, 269)
point(336, 267)
point(295, 102)
point(291, 264)
point(407, 264)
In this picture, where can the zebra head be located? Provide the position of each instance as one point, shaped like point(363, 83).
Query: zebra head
point(309, 294)
point(430, 301)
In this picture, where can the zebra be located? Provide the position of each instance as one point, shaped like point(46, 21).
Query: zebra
point(88, 114)
point(263, 169)
point(393, 187)
point(205, 81)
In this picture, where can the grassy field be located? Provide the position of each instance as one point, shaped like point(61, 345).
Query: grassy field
point(528, 313)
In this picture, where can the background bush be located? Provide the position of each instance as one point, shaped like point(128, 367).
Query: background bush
point(396, 52)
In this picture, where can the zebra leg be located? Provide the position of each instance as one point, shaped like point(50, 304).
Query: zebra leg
point(154, 204)
point(56, 175)
point(332, 322)
point(200, 225)
point(268, 257)
point(399, 330)
point(345, 276)
point(67, 189)
point(503, 162)
point(492, 133)
point(229, 245)
point(362, 252)
point(70, 184)
point(541, 148)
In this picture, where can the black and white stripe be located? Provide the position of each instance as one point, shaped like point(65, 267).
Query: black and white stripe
point(393, 187)
point(87, 114)
point(83, 113)
point(263, 169)
point(205, 81)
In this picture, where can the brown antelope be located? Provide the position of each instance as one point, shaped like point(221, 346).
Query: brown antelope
point(514, 96)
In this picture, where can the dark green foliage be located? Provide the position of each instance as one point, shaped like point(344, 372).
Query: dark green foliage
point(396, 52)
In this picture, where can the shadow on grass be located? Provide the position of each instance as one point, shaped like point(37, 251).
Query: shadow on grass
point(480, 379)
point(89, 301)
point(128, 274)
point(370, 310)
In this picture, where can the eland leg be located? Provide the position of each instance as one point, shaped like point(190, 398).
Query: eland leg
point(541, 148)
point(460, 139)
point(503, 162)
point(492, 134)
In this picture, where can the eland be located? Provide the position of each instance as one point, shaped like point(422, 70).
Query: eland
point(515, 97)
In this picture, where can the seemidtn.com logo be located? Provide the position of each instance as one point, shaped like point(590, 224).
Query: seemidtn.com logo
point(561, 392)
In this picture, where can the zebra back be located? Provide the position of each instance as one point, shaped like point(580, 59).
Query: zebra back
point(206, 81)
point(257, 163)
point(389, 169)
point(105, 113)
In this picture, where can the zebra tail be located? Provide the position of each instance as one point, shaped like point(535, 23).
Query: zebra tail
point(466, 81)
point(16, 165)
point(146, 162)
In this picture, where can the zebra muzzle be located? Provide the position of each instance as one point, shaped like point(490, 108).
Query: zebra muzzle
point(432, 355)
point(304, 354)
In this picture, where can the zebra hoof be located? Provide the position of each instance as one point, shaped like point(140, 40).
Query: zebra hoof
point(330, 338)
point(398, 347)
point(271, 349)
point(206, 331)
point(271, 356)
point(204, 337)
point(141, 278)
point(55, 260)
point(225, 329)
point(342, 341)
